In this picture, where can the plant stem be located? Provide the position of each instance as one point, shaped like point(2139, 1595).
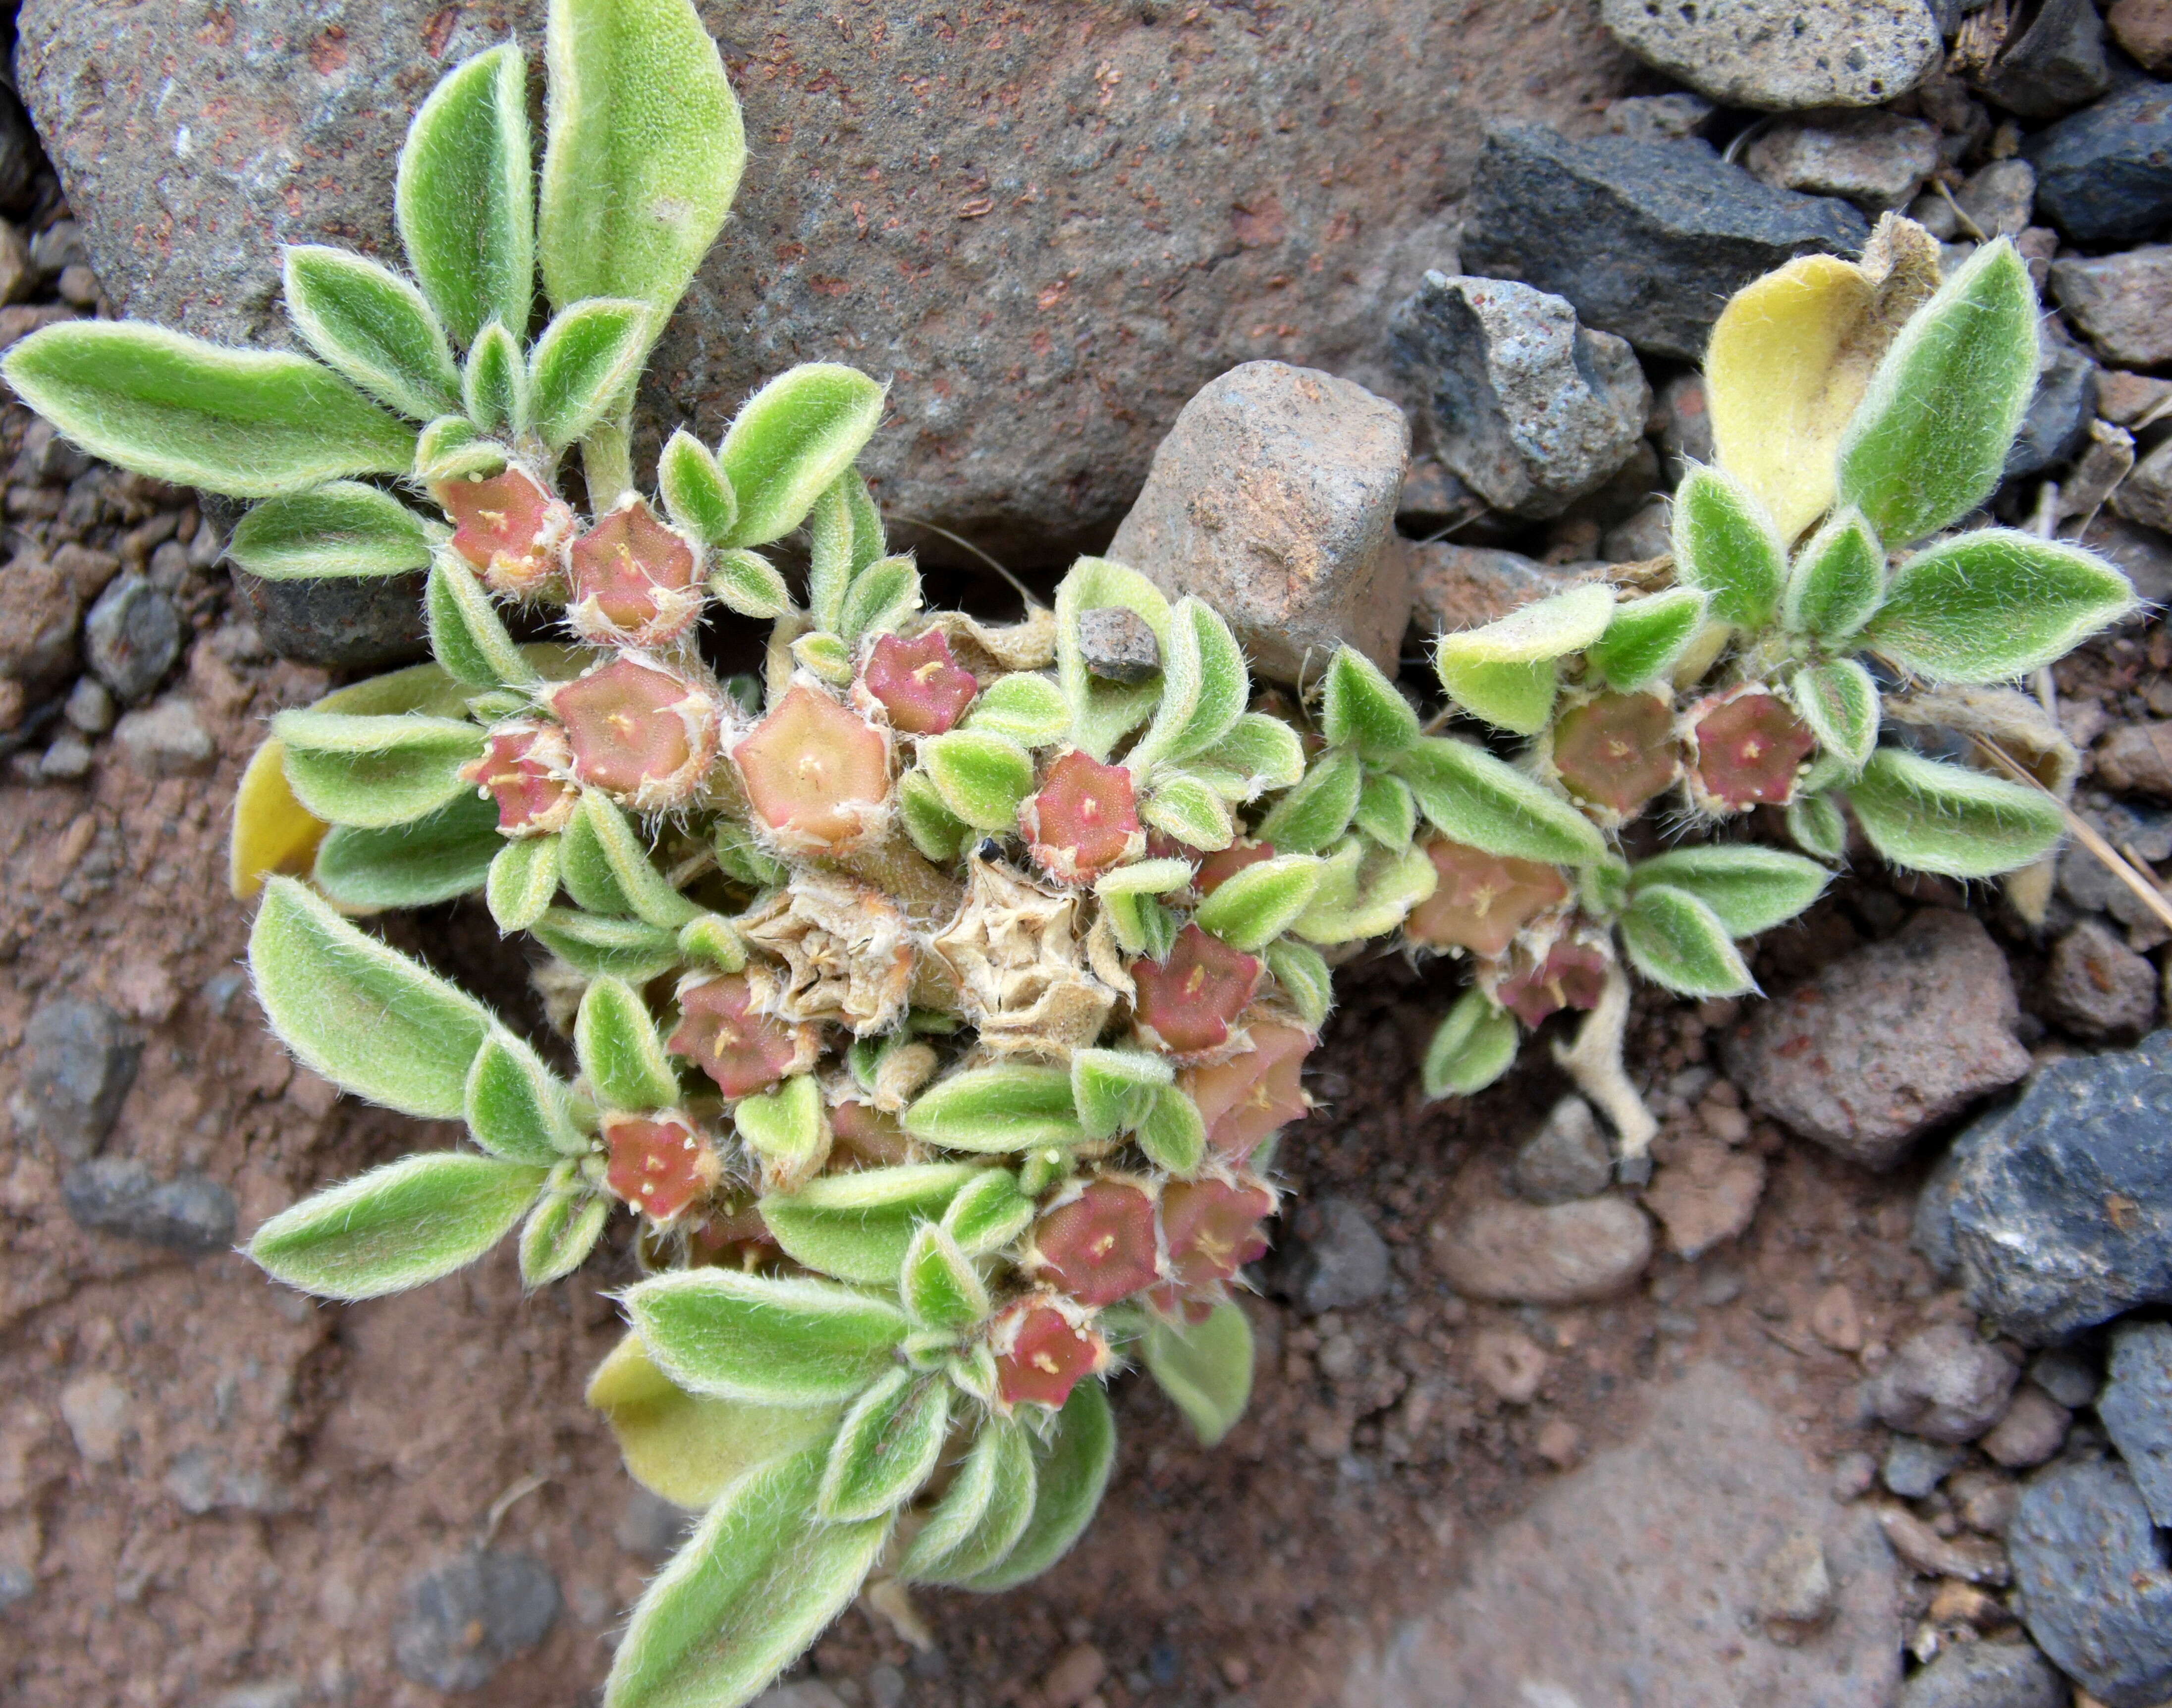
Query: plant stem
point(607, 459)
point(1595, 1062)
point(2084, 833)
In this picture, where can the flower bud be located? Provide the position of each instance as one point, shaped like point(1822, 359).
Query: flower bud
point(1099, 1246)
point(1481, 899)
point(511, 528)
point(817, 774)
point(659, 1164)
point(1084, 819)
point(522, 768)
point(644, 734)
point(918, 683)
point(1188, 1002)
point(636, 582)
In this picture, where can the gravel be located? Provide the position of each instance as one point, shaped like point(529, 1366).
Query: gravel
point(1985, 1675)
point(131, 637)
point(468, 1617)
point(1332, 1257)
point(2121, 303)
point(1913, 1467)
point(2033, 1430)
point(2097, 987)
point(1567, 1159)
point(189, 1213)
point(1118, 644)
point(2094, 1591)
point(2135, 1410)
point(1943, 1384)
point(78, 1059)
point(1877, 160)
point(167, 739)
point(1783, 55)
point(1561, 1254)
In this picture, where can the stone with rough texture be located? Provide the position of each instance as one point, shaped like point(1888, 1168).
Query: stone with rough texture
point(1668, 118)
point(1783, 55)
point(467, 1617)
point(2138, 757)
point(357, 622)
point(2068, 1374)
point(1876, 160)
point(1045, 226)
point(1531, 410)
point(2035, 1427)
point(1559, 1254)
point(2000, 197)
point(1118, 644)
point(2095, 1593)
point(1273, 499)
point(167, 739)
point(2145, 496)
point(1912, 1467)
point(2104, 175)
point(1886, 1041)
point(1565, 1159)
point(1985, 1675)
point(131, 637)
point(2050, 66)
point(1333, 1257)
point(2060, 1207)
point(2061, 409)
point(189, 1213)
point(1636, 1579)
point(2135, 1410)
point(1704, 1192)
point(1647, 239)
point(2122, 303)
point(76, 1061)
point(1943, 1384)
point(2097, 987)
point(1461, 586)
point(2144, 29)
point(2143, 555)
point(40, 609)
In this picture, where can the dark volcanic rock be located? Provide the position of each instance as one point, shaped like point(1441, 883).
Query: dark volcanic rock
point(2136, 1407)
point(2104, 175)
point(1648, 239)
point(1045, 226)
point(77, 1061)
point(469, 1617)
point(2094, 1590)
point(2061, 1206)
point(189, 1213)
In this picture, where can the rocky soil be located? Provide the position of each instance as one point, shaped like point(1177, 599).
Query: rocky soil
point(1866, 1399)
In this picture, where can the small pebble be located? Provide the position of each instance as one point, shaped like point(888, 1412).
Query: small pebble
point(1912, 1467)
point(1117, 645)
point(2032, 1431)
point(90, 706)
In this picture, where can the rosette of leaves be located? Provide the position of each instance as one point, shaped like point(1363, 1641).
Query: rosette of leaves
point(1828, 601)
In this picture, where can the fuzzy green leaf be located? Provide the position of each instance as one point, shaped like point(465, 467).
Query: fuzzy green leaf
point(451, 449)
point(1725, 544)
point(1748, 888)
point(1674, 940)
point(340, 529)
point(465, 199)
point(795, 436)
point(1839, 702)
point(1929, 439)
point(1361, 708)
point(563, 1229)
point(868, 542)
point(1948, 819)
point(1145, 878)
point(982, 1514)
point(1203, 686)
point(829, 552)
point(1387, 811)
point(1072, 1470)
point(1186, 809)
point(1010, 1108)
point(1505, 673)
point(1317, 810)
point(467, 636)
point(784, 1127)
point(1206, 1368)
point(350, 769)
point(1102, 713)
point(1252, 908)
point(769, 1339)
point(1473, 1046)
point(1305, 978)
point(625, 949)
point(988, 1213)
point(1836, 581)
point(643, 153)
point(1365, 891)
point(517, 1107)
point(700, 500)
point(585, 869)
point(412, 865)
point(396, 1227)
point(494, 386)
point(1995, 604)
point(1113, 1089)
point(368, 1019)
point(981, 778)
point(1817, 826)
point(882, 596)
point(757, 1583)
point(248, 423)
point(856, 1227)
point(372, 326)
point(648, 894)
point(1173, 1134)
point(1647, 635)
point(709, 939)
point(747, 582)
point(586, 357)
point(936, 831)
point(1475, 798)
point(1028, 709)
point(1260, 754)
point(885, 1449)
point(939, 1285)
point(622, 1052)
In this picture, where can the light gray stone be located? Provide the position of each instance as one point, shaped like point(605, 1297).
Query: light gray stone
point(2000, 197)
point(1460, 586)
point(1118, 644)
point(167, 739)
point(90, 706)
point(77, 1060)
point(2145, 497)
point(1333, 1257)
point(68, 758)
point(1783, 55)
point(1985, 1675)
point(1636, 1579)
point(2068, 1374)
point(468, 1617)
point(2122, 303)
point(2095, 1593)
point(190, 1213)
point(2051, 66)
point(1668, 118)
point(1554, 1254)
point(1273, 499)
point(1567, 1159)
point(1877, 160)
point(2033, 1428)
point(131, 637)
point(1912, 1467)
point(1530, 409)
point(2097, 987)
point(1943, 1384)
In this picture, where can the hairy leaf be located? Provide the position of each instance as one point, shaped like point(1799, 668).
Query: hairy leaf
point(983, 1512)
point(373, 327)
point(562, 1230)
point(1387, 811)
point(1945, 818)
point(1674, 939)
point(1259, 755)
point(624, 948)
point(1749, 889)
point(982, 778)
point(465, 199)
point(1305, 979)
point(586, 357)
point(368, 1019)
point(1837, 580)
point(1102, 713)
point(1186, 809)
point(1173, 1134)
point(1726, 545)
point(494, 388)
point(1365, 891)
point(338, 530)
point(1995, 604)
point(1476, 799)
point(517, 1107)
point(1647, 635)
point(747, 582)
point(248, 423)
point(1473, 1046)
point(989, 1212)
point(1839, 702)
point(936, 831)
point(939, 1285)
point(1072, 1470)
point(769, 1339)
point(622, 1054)
point(1028, 709)
point(467, 636)
point(412, 865)
point(1817, 825)
point(785, 1127)
point(699, 498)
point(351, 768)
point(856, 1227)
point(1317, 810)
point(1205, 1367)
point(885, 1449)
point(1011, 1107)
point(795, 437)
point(1361, 708)
point(586, 870)
point(882, 596)
point(398, 1227)
point(648, 892)
point(1113, 1089)
point(1260, 903)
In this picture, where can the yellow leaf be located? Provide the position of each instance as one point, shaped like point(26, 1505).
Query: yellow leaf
point(1791, 357)
point(272, 831)
point(685, 1447)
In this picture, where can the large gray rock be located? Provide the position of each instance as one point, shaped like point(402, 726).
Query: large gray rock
point(2136, 1408)
point(1637, 1579)
point(1046, 226)
point(2095, 1593)
point(1529, 409)
point(2061, 1206)
point(1648, 239)
point(1985, 1675)
point(1273, 499)
point(1886, 1041)
point(1783, 54)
